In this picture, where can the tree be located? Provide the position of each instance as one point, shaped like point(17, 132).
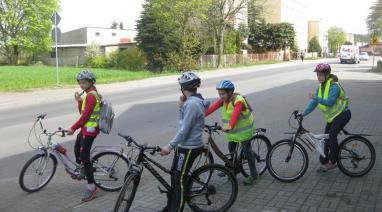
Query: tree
point(121, 25)
point(272, 37)
point(374, 19)
point(314, 46)
point(336, 37)
point(25, 27)
point(348, 43)
point(114, 25)
point(221, 14)
point(169, 32)
point(361, 38)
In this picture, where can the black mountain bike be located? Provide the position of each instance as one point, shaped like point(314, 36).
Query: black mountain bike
point(210, 188)
point(288, 160)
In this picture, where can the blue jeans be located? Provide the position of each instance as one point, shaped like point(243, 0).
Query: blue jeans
point(249, 154)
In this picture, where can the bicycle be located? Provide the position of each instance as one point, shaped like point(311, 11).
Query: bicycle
point(355, 150)
point(202, 194)
point(237, 161)
point(109, 163)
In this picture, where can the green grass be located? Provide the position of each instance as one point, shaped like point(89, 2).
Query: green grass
point(24, 78)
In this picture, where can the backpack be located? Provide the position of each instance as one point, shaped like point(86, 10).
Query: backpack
point(245, 99)
point(107, 114)
point(106, 117)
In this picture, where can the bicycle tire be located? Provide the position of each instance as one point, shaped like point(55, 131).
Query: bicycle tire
point(370, 147)
point(133, 180)
point(122, 169)
point(259, 159)
point(300, 173)
point(206, 189)
point(28, 164)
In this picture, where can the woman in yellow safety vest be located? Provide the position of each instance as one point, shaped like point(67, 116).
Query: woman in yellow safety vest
point(238, 123)
point(330, 97)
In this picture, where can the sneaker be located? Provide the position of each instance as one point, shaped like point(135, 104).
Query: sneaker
point(250, 180)
point(327, 167)
point(89, 194)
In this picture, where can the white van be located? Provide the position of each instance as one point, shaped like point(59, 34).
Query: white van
point(349, 54)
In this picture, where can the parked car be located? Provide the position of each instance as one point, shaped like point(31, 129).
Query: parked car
point(349, 54)
point(363, 56)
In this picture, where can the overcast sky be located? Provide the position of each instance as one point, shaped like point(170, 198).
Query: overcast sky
point(348, 14)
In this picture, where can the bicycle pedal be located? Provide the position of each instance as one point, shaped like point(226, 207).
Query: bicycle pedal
point(162, 191)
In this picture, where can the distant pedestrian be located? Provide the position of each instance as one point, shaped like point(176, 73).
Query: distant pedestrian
point(302, 55)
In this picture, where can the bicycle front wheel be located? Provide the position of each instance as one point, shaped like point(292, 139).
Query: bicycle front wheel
point(356, 156)
point(37, 172)
point(284, 165)
point(212, 188)
point(110, 169)
point(126, 195)
point(260, 145)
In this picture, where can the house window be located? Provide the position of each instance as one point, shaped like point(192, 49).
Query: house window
point(97, 34)
point(113, 34)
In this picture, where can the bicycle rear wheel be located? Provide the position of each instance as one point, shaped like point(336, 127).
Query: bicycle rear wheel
point(110, 169)
point(37, 172)
point(260, 145)
point(202, 159)
point(126, 195)
point(212, 188)
point(285, 167)
point(356, 156)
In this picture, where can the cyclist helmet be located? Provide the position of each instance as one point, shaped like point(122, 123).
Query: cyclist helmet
point(86, 75)
point(323, 68)
point(189, 80)
point(225, 85)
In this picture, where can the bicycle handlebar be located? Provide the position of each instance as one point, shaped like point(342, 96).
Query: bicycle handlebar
point(130, 140)
point(213, 128)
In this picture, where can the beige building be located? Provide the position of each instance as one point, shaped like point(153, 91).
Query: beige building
point(313, 30)
point(290, 11)
point(349, 37)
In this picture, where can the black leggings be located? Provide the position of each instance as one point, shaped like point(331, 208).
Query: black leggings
point(181, 165)
point(331, 146)
point(82, 149)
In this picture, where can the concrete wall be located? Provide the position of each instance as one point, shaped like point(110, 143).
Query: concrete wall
point(69, 56)
point(77, 36)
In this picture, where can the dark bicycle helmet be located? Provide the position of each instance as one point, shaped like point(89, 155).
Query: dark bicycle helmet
point(86, 75)
point(189, 80)
point(323, 68)
point(226, 85)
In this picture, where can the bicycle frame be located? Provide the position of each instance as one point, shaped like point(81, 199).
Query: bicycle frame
point(232, 163)
point(144, 160)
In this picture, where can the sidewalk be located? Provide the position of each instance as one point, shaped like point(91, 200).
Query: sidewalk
point(40, 96)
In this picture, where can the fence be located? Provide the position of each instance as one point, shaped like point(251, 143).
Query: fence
point(211, 61)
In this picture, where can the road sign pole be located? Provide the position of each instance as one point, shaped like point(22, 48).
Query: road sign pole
point(55, 35)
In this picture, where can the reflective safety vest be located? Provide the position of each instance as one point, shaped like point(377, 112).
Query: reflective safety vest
point(244, 127)
point(94, 118)
point(330, 113)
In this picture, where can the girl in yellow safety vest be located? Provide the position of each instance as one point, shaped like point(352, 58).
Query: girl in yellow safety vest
point(238, 123)
point(331, 99)
point(89, 108)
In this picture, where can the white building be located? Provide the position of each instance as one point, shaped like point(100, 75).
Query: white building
point(290, 11)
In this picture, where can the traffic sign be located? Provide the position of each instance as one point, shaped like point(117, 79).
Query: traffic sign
point(58, 34)
point(56, 18)
point(374, 40)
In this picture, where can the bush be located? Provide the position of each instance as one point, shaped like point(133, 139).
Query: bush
point(100, 62)
point(379, 66)
point(130, 59)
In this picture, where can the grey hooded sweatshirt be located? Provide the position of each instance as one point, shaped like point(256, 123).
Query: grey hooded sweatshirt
point(189, 134)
